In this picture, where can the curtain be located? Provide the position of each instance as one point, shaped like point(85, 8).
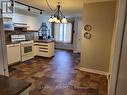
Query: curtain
point(63, 32)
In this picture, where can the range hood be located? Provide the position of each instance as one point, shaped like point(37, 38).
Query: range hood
point(20, 25)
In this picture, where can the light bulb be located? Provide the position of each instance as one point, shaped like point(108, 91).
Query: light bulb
point(58, 21)
point(40, 11)
point(54, 19)
point(64, 20)
point(28, 8)
point(50, 19)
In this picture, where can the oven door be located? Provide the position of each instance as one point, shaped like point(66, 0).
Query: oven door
point(27, 49)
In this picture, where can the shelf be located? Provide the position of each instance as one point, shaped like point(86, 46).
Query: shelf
point(7, 17)
point(9, 30)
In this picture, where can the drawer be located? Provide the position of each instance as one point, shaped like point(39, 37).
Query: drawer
point(43, 53)
point(42, 50)
point(41, 44)
point(42, 47)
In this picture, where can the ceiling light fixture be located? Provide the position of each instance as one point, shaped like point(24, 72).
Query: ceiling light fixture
point(12, 3)
point(58, 16)
point(28, 8)
point(40, 11)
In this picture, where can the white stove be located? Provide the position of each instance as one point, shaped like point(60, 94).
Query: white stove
point(26, 46)
point(27, 50)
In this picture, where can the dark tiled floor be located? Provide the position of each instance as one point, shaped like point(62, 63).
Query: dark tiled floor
point(58, 76)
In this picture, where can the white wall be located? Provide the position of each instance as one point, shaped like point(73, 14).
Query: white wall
point(29, 20)
point(34, 22)
point(32, 19)
point(95, 52)
point(77, 34)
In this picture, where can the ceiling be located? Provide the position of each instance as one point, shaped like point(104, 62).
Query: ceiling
point(69, 7)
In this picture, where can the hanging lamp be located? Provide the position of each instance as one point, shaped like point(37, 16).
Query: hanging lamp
point(58, 16)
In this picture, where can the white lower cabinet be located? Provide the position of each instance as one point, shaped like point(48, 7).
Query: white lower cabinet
point(13, 53)
point(40, 49)
point(44, 49)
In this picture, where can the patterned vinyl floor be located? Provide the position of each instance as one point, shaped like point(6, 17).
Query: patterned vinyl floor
point(58, 76)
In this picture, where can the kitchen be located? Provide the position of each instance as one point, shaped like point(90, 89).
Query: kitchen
point(25, 47)
point(23, 43)
point(27, 26)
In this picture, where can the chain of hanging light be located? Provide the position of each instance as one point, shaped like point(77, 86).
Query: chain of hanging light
point(58, 16)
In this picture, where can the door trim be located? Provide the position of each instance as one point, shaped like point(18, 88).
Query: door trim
point(117, 43)
point(3, 46)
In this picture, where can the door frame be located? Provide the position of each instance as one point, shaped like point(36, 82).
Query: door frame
point(121, 83)
point(3, 50)
point(117, 44)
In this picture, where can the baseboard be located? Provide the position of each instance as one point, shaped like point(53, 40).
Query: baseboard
point(64, 49)
point(76, 51)
point(93, 71)
point(107, 74)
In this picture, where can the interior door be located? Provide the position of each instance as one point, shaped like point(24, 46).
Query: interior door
point(122, 73)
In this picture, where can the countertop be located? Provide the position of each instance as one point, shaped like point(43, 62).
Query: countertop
point(9, 86)
point(9, 43)
point(44, 41)
point(40, 41)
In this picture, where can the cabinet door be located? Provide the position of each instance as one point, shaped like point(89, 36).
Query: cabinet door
point(51, 49)
point(13, 52)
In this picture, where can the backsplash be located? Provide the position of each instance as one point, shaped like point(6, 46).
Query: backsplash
point(28, 35)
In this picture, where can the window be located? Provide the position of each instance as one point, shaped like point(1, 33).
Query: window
point(6, 7)
point(63, 32)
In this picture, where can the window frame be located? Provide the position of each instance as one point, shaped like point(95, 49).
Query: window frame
point(72, 32)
